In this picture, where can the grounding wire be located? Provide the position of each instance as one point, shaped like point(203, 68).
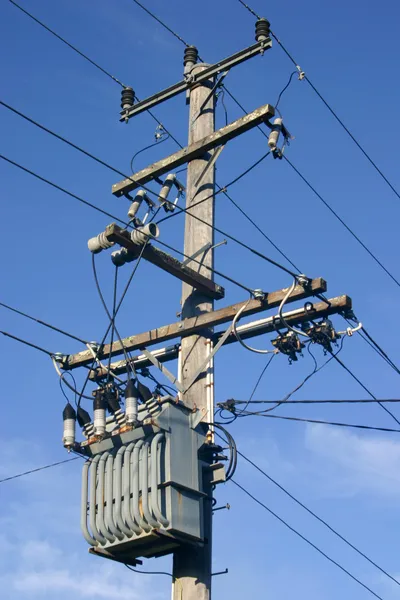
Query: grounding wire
point(306, 539)
point(313, 514)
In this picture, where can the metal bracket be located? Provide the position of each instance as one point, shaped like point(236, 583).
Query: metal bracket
point(210, 163)
point(203, 249)
point(163, 369)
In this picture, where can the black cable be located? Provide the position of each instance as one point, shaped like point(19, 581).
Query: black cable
point(334, 114)
point(380, 350)
point(355, 236)
point(178, 37)
point(341, 363)
point(75, 146)
point(361, 401)
point(306, 540)
point(303, 420)
point(258, 382)
point(73, 388)
point(230, 470)
point(61, 462)
point(14, 337)
point(284, 90)
point(53, 327)
point(68, 44)
point(156, 143)
point(61, 189)
point(313, 514)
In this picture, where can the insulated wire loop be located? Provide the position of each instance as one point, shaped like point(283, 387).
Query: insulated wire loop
point(239, 339)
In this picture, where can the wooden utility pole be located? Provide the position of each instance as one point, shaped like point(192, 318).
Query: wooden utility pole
point(191, 564)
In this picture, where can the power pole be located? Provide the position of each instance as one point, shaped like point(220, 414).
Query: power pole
point(192, 565)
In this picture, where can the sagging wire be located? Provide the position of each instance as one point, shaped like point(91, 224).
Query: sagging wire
point(296, 280)
point(160, 136)
point(332, 423)
point(62, 380)
point(284, 90)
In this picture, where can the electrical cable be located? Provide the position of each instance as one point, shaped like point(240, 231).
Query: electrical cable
point(257, 383)
point(355, 236)
point(239, 339)
point(334, 114)
point(68, 44)
point(113, 321)
point(53, 327)
point(280, 309)
point(341, 363)
point(318, 421)
point(230, 470)
point(358, 401)
point(284, 90)
point(14, 337)
point(61, 189)
point(180, 210)
point(61, 462)
point(313, 514)
point(156, 143)
point(62, 380)
point(306, 540)
point(178, 37)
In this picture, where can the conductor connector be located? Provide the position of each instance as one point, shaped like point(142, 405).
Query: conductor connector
point(170, 181)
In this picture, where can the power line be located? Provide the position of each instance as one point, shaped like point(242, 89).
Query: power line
point(61, 189)
point(331, 110)
point(19, 312)
point(306, 540)
point(303, 420)
point(335, 401)
point(22, 341)
point(346, 541)
point(61, 462)
point(341, 363)
point(100, 161)
point(64, 41)
point(355, 236)
point(178, 37)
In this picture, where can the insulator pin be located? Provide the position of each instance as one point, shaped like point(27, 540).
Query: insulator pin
point(262, 30)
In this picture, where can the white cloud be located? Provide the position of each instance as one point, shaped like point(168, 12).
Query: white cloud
point(349, 463)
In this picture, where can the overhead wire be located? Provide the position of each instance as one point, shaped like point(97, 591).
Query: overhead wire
point(325, 102)
point(305, 539)
point(22, 341)
point(336, 215)
point(64, 41)
point(313, 514)
point(320, 422)
point(333, 401)
point(40, 322)
point(55, 464)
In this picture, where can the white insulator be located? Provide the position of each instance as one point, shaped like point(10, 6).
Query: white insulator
point(69, 432)
point(134, 207)
point(274, 135)
point(119, 417)
point(131, 410)
point(99, 421)
point(88, 430)
point(143, 234)
point(99, 242)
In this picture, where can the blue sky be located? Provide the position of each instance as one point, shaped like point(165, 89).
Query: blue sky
point(350, 478)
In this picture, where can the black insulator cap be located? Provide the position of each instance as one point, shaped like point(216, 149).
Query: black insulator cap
point(83, 417)
point(69, 412)
point(262, 28)
point(131, 390)
point(144, 392)
point(99, 401)
point(127, 97)
point(112, 403)
point(190, 55)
